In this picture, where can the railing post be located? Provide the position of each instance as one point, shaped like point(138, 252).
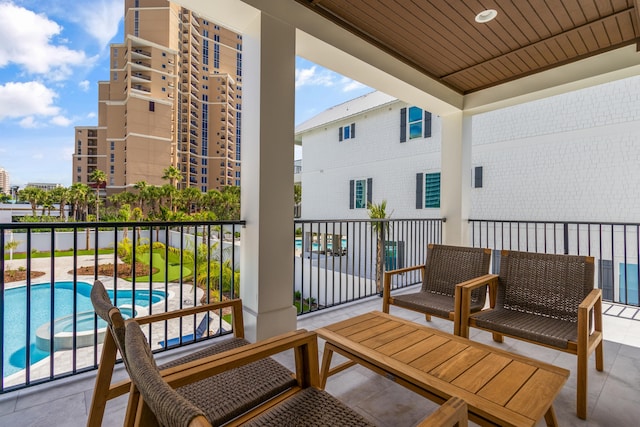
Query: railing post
point(566, 238)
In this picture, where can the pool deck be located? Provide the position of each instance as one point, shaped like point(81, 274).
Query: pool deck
point(63, 360)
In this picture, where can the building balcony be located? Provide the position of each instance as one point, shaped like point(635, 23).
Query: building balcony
point(329, 284)
point(140, 53)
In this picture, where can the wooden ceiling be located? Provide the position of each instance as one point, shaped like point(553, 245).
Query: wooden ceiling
point(442, 39)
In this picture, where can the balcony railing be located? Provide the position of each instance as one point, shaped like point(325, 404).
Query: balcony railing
point(47, 310)
point(336, 261)
point(615, 247)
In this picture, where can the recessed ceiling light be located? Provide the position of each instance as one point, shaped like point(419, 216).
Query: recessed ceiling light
point(486, 16)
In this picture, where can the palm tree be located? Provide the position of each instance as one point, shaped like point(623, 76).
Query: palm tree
point(190, 196)
point(99, 178)
point(140, 186)
point(46, 202)
point(227, 204)
point(378, 213)
point(173, 175)
point(61, 195)
point(78, 196)
point(170, 192)
point(32, 195)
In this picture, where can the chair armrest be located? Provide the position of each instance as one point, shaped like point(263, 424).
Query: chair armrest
point(235, 304)
point(591, 304)
point(405, 269)
point(386, 289)
point(462, 303)
point(304, 344)
point(453, 412)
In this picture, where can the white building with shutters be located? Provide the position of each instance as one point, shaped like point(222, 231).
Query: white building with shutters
point(372, 148)
point(571, 157)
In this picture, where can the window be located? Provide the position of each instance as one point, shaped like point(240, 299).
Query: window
point(112, 170)
point(347, 132)
point(417, 121)
point(113, 157)
point(360, 192)
point(477, 177)
point(152, 105)
point(427, 190)
point(113, 145)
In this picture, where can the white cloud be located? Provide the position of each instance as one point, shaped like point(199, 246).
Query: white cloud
point(27, 41)
point(101, 19)
point(318, 76)
point(91, 115)
point(349, 84)
point(313, 77)
point(26, 99)
point(60, 121)
point(28, 122)
point(84, 85)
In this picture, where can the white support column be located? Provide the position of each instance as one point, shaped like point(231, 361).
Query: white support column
point(266, 265)
point(455, 199)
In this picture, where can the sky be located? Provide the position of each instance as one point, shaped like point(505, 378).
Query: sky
point(50, 64)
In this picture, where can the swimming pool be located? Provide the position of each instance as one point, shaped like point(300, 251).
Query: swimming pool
point(315, 246)
point(15, 316)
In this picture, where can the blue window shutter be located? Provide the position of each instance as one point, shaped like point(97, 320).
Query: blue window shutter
point(427, 124)
point(340, 134)
point(403, 125)
point(351, 193)
point(353, 130)
point(419, 187)
point(369, 190)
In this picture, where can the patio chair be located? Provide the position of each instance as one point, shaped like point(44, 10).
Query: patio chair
point(202, 328)
point(445, 267)
point(234, 390)
point(303, 404)
point(545, 299)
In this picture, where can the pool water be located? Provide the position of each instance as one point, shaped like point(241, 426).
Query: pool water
point(316, 246)
point(15, 316)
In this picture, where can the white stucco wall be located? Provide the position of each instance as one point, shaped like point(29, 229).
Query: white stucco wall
point(376, 152)
point(572, 157)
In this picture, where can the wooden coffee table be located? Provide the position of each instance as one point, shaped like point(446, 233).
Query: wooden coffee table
point(500, 388)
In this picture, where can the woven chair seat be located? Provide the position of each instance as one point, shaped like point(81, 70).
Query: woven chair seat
point(436, 304)
point(231, 393)
point(310, 407)
point(532, 327)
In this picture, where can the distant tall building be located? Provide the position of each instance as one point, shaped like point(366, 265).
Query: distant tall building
point(4, 181)
point(173, 97)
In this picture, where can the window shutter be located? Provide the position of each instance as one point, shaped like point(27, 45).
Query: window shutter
point(419, 188)
point(427, 124)
point(353, 130)
point(477, 182)
point(351, 193)
point(340, 134)
point(369, 190)
point(403, 125)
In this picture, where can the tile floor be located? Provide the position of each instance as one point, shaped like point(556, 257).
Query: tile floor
point(614, 395)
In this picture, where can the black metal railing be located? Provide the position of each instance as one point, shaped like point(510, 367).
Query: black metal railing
point(48, 269)
point(615, 247)
point(336, 261)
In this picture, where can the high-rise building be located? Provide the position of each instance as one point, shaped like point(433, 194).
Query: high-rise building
point(4, 181)
point(173, 98)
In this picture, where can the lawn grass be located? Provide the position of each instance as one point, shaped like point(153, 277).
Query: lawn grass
point(47, 254)
point(173, 271)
